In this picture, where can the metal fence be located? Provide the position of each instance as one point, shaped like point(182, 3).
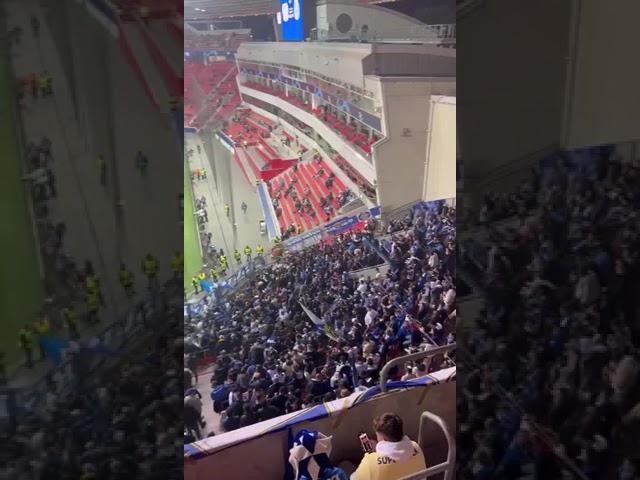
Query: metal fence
point(80, 363)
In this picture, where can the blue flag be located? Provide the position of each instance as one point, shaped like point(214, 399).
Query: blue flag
point(53, 348)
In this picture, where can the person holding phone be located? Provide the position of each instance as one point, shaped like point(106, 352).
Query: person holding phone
point(394, 456)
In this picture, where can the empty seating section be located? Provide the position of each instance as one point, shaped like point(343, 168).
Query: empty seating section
point(349, 132)
point(308, 182)
point(249, 128)
point(217, 87)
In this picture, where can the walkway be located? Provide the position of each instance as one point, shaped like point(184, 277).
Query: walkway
point(94, 231)
point(224, 235)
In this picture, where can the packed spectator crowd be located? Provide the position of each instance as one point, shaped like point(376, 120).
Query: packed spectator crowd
point(553, 358)
point(120, 424)
point(271, 358)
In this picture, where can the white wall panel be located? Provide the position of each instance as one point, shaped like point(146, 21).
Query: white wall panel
point(604, 103)
point(440, 171)
point(342, 62)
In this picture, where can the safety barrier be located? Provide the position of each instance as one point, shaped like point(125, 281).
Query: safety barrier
point(273, 227)
point(80, 362)
point(337, 226)
point(222, 289)
point(430, 354)
point(448, 466)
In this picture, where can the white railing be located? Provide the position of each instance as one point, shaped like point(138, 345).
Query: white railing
point(430, 354)
point(447, 467)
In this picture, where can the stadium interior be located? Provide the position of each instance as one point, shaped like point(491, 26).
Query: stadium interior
point(295, 171)
point(335, 125)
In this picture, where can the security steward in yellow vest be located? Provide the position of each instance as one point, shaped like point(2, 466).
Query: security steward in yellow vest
point(223, 265)
point(92, 286)
point(42, 328)
point(195, 282)
point(247, 252)
point(213, 274)
point(259, 250)
point(25, 341)
point(93, 305)
point(126, 280)
point(150, 269)
point(237, 256)
point(71, 317)
point(177, 265)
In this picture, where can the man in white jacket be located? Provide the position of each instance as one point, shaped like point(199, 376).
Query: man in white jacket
point(396, 455)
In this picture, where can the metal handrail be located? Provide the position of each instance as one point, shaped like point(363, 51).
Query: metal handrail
point(384, 373)
point(445, 467)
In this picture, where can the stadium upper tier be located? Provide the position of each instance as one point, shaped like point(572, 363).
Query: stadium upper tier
point(366, 106)
point(216, 40)
point(210, 92)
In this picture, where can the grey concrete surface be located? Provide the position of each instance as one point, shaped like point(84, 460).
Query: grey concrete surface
point(232, 188)
point(133, 214)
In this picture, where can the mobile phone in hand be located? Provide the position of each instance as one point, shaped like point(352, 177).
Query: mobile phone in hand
point(366, 444)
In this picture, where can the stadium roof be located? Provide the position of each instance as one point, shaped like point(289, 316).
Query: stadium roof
point(214, 9)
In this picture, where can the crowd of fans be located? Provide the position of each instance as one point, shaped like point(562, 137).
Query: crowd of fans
point(271, 358)
point(551, 375)
point(121, 424)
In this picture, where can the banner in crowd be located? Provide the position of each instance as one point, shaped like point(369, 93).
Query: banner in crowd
point(337, 227)
point(344, 106)
point(353, 222)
